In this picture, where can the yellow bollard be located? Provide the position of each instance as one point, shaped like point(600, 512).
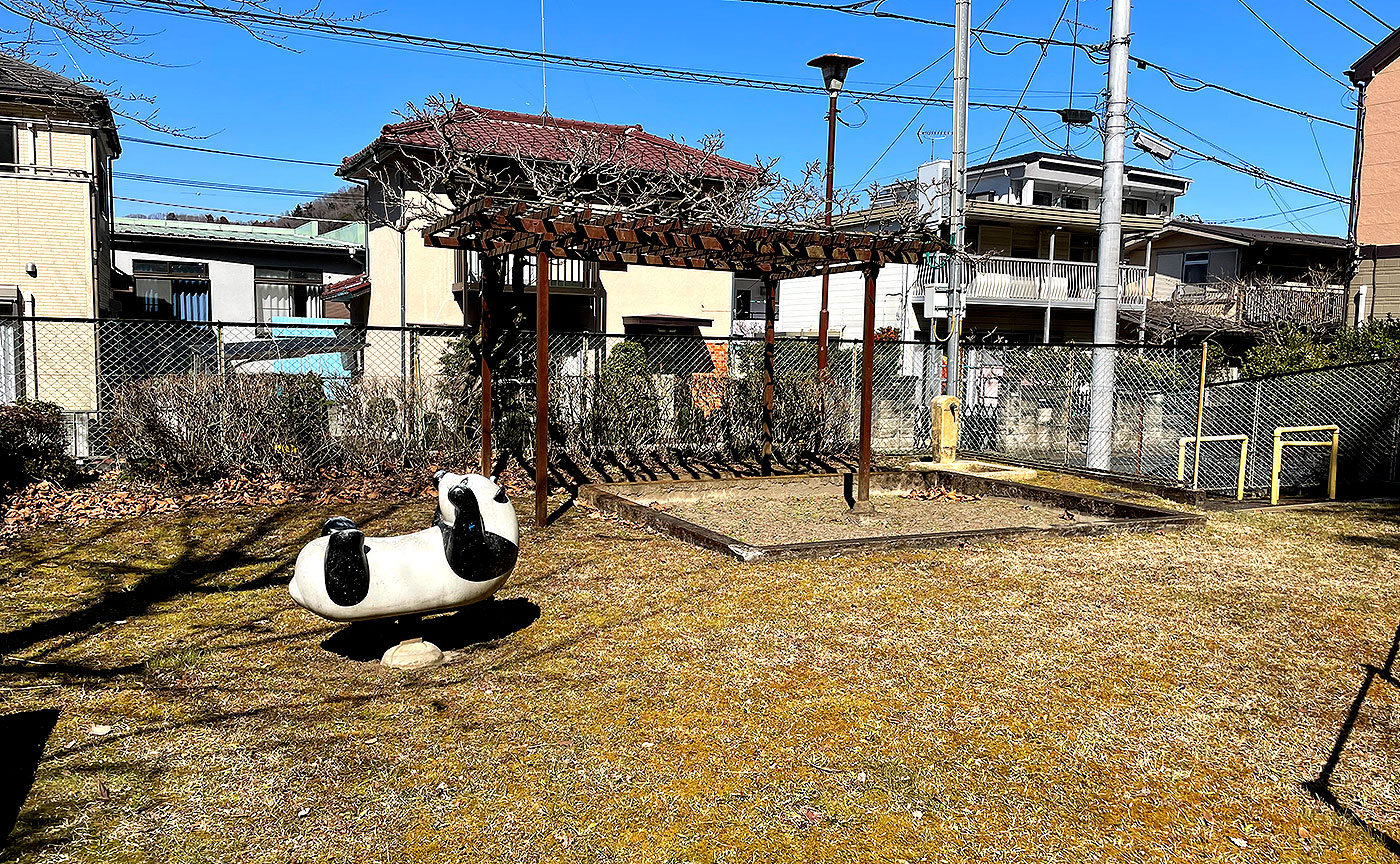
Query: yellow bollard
point(944, 428)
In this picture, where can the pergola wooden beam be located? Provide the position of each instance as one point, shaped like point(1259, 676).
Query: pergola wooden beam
point(494, 228)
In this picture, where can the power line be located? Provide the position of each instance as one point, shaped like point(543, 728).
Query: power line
point(1044, 50)
point(1372, 14)
point(1241, 165)
point(1172, 76)
point(191, 147)
point(894, 16)
point(1349, 28)
point(1268, 215)
point(1290, 45)
point(1091, 50)
point(920, 110)
point(236, 212)
point(222, 187)
point(319, 28)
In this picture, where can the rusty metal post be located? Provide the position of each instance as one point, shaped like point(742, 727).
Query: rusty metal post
point(867, 387)
point(542, 389)
point(824, 316)
point(487, 267)
point(770, 285)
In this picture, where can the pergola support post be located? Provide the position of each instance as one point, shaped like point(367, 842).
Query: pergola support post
point(867, 388)
point(770, 285)
point(490, 271)
point(542, 389)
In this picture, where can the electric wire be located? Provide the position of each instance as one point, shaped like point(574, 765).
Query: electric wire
point(127, 139)
point(223, 187)
point(1349, 28)
point(312, 27)
point(1093, 51)
point(1290, 45)
point(195, 209)
point(1372, 14)
point(1044, 50)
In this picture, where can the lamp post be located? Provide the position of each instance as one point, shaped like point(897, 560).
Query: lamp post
point(834, 68)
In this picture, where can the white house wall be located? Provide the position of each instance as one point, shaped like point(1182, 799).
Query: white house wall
point(231, 296)
point(799, 302)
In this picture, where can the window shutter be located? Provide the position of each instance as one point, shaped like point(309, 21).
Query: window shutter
point(1169, 265)
point(1224, 265)
point(995, 239)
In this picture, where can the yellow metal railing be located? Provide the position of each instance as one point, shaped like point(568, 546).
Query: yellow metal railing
point(1279, 444)
point(1181, 457)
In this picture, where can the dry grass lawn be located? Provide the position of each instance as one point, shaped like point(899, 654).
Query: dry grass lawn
point(630, 698)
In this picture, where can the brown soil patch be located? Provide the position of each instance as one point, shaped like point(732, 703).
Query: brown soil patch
point(767, 521)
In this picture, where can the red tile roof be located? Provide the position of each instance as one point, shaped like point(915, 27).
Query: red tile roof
point(507, 133)
point(346, 289)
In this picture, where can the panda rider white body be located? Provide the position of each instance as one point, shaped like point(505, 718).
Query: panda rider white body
point(465, 557)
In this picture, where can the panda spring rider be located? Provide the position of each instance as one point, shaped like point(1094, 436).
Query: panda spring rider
point(465, 557)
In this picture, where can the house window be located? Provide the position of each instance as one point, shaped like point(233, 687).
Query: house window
point(286, 293)
point(1195, 269)
point(1134, 206)
point(172, 289)
point(1043, 199)
point(9, 147)
point(748, 299)
point(1074, 202)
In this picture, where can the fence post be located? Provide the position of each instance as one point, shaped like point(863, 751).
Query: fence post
point(219, 338)
point(1200, 418)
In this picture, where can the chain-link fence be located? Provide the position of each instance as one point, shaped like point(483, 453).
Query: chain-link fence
point(1363, 401)
point(1032, 404)
point(298, 396)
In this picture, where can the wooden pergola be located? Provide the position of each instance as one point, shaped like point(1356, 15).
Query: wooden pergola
point(494, 228)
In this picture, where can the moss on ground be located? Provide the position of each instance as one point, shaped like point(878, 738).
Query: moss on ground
point(630, 698)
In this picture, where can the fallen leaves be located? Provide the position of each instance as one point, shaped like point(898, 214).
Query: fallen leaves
point(939, 493)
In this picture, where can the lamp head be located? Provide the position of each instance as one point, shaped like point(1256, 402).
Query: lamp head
point(834, 68)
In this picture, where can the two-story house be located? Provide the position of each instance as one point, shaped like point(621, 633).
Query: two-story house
point(1032, 223)
point(57, 143)
point(413, 283)
point(1375, 187)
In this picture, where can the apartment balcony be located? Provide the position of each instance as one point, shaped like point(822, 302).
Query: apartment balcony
point(1026, 282)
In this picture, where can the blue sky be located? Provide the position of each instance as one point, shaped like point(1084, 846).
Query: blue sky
point(328, 98)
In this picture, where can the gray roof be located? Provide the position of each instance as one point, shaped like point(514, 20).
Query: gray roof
point(26, 83)
point(214, 232)
point(25, 80)
point(1255, 235)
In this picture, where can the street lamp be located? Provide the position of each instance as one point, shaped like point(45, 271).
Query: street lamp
point(834, 68)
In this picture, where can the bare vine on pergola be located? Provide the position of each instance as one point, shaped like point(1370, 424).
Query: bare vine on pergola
point(424, 183)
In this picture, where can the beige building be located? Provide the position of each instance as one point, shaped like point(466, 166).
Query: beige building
point(415, 284)
point(57, 143)
point(1375, 193)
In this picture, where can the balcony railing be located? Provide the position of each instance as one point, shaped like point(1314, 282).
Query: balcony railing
point(1063, 283)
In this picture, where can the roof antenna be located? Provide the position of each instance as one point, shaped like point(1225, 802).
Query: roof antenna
point(544, 64)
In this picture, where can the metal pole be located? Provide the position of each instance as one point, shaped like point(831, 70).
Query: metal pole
point(867, 388)
point(824, 316)
point(1200, 418)
point(766, 456)
point(957, 204)
point(403, 306)
point(542, 389)
point(488, 270)
point(1101, 384)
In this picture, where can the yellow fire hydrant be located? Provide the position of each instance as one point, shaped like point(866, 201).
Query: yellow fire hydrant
point(944, 428)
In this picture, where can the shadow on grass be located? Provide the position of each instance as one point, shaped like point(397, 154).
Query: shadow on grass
point(203, 557)
point(479, 623)
point(1321, 786)
point(25, 735)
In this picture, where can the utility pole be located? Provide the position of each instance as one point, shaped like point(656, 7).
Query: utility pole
point(1102, 372)
point(957, 193)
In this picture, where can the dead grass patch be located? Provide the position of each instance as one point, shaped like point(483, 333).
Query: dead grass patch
point(632, 698)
